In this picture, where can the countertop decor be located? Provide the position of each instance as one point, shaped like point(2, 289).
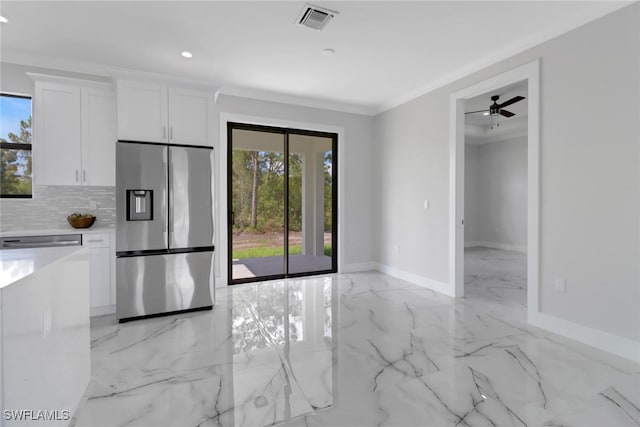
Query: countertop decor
point(81, 220)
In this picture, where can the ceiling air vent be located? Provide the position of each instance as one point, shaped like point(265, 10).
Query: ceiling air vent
point(315, 17)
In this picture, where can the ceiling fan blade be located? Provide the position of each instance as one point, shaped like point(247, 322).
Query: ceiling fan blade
point(507, 113)
point(479, 111)
point(512, 101)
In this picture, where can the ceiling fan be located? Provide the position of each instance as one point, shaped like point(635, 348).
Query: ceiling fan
point(495, 108)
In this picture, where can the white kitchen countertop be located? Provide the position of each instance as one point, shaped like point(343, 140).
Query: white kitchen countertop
point(56, 231)
point(16, 264)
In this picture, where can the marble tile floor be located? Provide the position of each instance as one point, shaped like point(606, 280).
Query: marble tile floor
point(361, 349)
point(496, 275)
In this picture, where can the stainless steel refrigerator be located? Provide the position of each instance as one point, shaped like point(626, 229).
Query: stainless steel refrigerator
point(164, 239)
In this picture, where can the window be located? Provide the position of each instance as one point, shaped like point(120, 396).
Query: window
point(15, 146)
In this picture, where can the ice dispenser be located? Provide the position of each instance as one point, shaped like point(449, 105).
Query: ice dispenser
point(139, 205)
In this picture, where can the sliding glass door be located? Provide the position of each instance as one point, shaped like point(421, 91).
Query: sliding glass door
point(282, 202)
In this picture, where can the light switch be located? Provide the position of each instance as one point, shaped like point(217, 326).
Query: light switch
point(426, 204)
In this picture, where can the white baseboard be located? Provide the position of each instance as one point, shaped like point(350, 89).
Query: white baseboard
point(416, 279)
point(102, 310)
point(359, 266)
point(610, 343)
point(496, 245)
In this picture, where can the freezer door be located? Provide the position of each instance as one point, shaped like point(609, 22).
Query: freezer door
point(141, 184)
point(190, 197)
point(156, 284)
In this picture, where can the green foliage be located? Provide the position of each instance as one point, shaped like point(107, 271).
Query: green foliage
point(328, 190)
point(267, 251)
point(270, 182)
point(242, 184)
point(16, 164)
point(328, 251)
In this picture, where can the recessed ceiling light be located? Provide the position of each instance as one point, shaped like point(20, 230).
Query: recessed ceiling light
point(328, 51)
point(3, 19)
point(186, 54)
point(485, 114)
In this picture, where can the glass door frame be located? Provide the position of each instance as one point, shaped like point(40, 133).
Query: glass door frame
point(231, 126)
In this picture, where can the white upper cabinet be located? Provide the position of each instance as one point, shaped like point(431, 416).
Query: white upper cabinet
point(74, 132)
point(98, 136)
point(151, 112)
point(142, 112)
point(189, 112)
point(57, 135)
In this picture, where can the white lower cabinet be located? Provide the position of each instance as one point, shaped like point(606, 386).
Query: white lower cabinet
point(102, 272)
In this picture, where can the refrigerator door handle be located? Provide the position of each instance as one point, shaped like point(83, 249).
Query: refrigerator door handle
point(165, 209)
point(171, 211)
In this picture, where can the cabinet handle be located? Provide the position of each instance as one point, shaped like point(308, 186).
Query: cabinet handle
point(76, 175)
point(96, 240)
point(84, 175)
point(164, 132)
point(171, 132)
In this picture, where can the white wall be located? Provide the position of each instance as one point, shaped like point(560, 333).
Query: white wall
point(496, 194)
point(589, 167)
point(472, 194)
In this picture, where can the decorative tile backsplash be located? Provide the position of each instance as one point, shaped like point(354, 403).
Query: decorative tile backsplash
point(52, 204)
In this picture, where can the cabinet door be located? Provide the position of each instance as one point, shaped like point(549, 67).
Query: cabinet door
point(98, 137)
point(57, 136)
point(142, 112)
point(100, 276)
point(189, 112)
point(112, 266)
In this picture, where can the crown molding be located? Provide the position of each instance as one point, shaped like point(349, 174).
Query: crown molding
point(520, 46)
point(323, 104)
point(48, 78)
point(98, 70)
point(510, 136)
point(73, 66)
point(509, 130)
point(115, 73)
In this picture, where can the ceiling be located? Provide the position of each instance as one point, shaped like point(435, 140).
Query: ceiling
point(387, 52)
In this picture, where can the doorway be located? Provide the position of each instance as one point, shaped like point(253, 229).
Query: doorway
point(495, 191)
point(282, 200)
point(531, 74)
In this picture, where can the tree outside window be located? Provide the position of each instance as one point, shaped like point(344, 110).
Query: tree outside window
point(15, 146)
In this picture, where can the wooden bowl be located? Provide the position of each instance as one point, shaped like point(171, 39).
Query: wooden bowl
point(81, 222)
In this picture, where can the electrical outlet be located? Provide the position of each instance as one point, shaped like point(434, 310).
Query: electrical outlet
point(560, 285)
point(93, 204)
